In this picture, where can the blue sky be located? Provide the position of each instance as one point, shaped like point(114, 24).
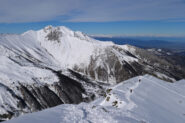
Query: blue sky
point(109, 17)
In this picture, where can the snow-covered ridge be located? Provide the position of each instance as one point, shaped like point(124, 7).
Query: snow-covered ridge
point(142, 99)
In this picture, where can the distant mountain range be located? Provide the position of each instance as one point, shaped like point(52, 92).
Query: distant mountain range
point(147, 42)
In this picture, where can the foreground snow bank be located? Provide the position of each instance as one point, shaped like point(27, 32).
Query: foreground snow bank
point(140, 99)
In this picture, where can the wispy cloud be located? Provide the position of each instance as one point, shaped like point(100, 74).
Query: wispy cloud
point(35, 10)
point(12, 11)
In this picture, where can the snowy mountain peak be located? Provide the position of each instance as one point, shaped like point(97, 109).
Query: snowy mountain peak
point(64, 48)
point(69, 47)
point(56, 33)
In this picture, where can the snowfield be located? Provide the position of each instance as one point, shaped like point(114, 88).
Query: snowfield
point(142, 99)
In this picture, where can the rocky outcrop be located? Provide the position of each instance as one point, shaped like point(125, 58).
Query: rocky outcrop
point(36, 96)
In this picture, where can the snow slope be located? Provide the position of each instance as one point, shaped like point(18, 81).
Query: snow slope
point(143, 99)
